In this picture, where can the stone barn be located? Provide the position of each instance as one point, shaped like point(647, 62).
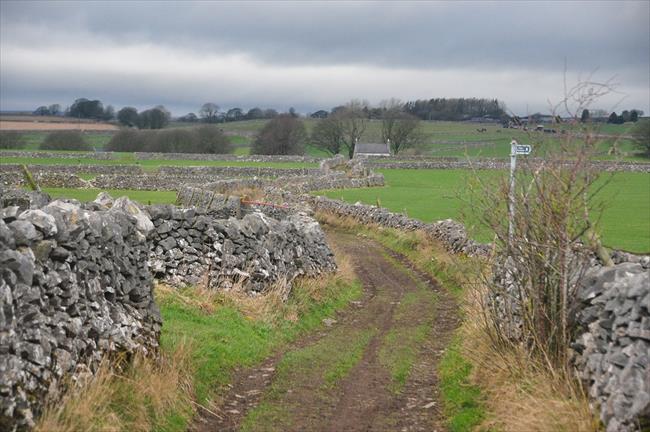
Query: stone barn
point(371, 149)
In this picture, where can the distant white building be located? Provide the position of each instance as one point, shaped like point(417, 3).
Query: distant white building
point(371, 149)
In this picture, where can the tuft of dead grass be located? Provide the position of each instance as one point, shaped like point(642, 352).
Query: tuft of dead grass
point(197, 297)
point(287, 300)
point(248, 193)
point(135, 398)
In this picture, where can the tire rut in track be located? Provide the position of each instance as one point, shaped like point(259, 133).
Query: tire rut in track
point(362, 399)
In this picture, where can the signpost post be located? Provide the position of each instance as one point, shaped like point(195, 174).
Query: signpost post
point(515, 149)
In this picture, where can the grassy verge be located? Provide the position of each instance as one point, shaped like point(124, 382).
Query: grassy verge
point(205, 335)
point(461, 398)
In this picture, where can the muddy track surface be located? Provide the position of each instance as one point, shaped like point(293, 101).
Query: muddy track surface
point(374, 369)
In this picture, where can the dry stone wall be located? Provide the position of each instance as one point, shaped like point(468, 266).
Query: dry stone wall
point(613, 343)
point(191, 246)
point(74, 286)
point(59, 155)
point(73, 169)
point(76, 280)
point(225, 157)
point(234, 171)
point(492, 164)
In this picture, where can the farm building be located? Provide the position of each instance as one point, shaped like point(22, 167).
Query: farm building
point(371, 149)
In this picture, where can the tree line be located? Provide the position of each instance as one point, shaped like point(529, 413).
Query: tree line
point(600, 115)
point(210, 112)
point(456, 109)
point(155, 118)
point(285, 134)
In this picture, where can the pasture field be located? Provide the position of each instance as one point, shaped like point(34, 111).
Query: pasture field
point(431, 195)
point(86, 195)
point(150, 165)
point(33, 140)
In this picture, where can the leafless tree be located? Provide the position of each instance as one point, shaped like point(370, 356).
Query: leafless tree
point(328, 135)
point(342, 129)
point(398, 127)
point(209, 112)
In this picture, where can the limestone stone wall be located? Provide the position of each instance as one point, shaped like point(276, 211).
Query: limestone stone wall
point(74, 286)
point(613, 343)
point(192, 246)
point(450, 233)
point(74, 169)
point(491, 164)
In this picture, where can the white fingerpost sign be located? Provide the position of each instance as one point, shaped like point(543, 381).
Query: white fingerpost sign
point(522, 149)
point(515, 149)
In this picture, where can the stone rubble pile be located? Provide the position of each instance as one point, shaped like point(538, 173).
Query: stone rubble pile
point(74, 286)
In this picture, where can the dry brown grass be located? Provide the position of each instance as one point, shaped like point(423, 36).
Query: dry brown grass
point(132, 398)
point(248, 193)
point(198, 297)
point(284, 300)
point(520, 393)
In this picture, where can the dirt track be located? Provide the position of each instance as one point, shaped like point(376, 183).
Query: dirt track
point(345, 378)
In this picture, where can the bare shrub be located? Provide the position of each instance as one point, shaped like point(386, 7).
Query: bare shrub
point(65, 140)
point(210, 139)
point(283, 135)
point(177, 140)
point(520, 392)
point(126, 141)
point(202, 139)
point(532, 286)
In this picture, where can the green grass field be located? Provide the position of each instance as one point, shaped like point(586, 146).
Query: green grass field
point(85, 195)
point(431, 195)
point(96, 139)
point(150, 165)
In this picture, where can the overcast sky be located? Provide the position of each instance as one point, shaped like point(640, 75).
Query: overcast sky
point(313, 55)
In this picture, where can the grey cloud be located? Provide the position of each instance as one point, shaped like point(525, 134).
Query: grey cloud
point(418, 35)
point(315, 55)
